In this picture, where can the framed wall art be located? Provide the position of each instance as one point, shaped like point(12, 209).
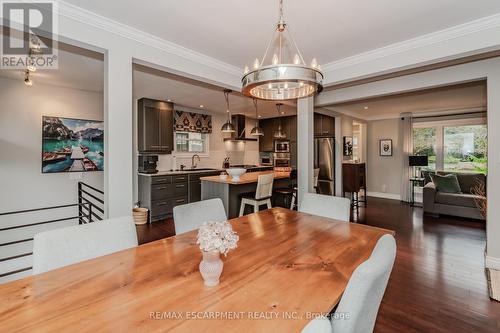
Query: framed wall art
point(72, 145)
point(385, 147)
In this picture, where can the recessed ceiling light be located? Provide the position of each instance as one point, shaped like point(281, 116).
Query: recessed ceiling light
point(366, 108)
point(169, 100)
point(202, 106)
point(260, 116)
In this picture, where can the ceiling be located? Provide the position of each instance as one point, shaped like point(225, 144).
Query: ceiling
point(155, 84)
point(77, 69)
point(237, 32)
point(457, 98)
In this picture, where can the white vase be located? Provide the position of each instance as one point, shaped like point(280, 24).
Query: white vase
point(211, 268)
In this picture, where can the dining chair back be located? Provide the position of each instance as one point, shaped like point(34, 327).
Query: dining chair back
point(192, 216)
point(65, 246)
point(336, 208)
point(264, 186)
point(363, 294)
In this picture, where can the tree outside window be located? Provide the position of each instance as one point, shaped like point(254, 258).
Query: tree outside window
point(465, 148)
point(461, 147)
point(424, 144)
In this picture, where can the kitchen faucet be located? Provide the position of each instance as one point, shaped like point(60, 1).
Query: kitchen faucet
point(193, 165)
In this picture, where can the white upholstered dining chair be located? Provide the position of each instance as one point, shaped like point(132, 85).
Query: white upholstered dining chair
point(65, 246)
point(192, 216)
point(262, 196)
point(363, 294)
point(336, 208)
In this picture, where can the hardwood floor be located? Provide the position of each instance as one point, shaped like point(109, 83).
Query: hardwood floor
point(153, 231)
point(438, 283)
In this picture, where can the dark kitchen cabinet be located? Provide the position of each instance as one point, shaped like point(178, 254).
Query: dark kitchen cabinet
point(160, 194)
point(266, 142)
point(195, 184)
point(292, 128)
point(155, 126)
point(318, 117)
point(324, 125)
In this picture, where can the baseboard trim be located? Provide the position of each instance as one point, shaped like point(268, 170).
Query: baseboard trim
point(492, 263)
point(392, 196)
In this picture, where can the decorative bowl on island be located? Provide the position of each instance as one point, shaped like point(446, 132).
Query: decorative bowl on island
point(235, 173)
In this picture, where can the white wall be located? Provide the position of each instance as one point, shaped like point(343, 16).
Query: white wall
point(22, 182)
point(384, 172)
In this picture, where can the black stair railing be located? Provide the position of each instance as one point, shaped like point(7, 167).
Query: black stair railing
point(90, 209)
point(94, 197)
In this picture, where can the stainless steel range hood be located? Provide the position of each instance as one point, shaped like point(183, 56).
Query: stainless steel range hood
point(239, 121)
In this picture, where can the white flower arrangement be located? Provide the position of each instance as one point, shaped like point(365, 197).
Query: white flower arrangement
point(217, 236)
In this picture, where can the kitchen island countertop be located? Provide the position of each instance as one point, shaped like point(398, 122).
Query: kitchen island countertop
point(247, 178)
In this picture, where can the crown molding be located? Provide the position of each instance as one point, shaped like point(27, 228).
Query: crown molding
point(426, 40)
point(87, 17)
point(424, 113)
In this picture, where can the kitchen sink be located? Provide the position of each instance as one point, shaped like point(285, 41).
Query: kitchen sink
point(201, 169)
point(197, 169)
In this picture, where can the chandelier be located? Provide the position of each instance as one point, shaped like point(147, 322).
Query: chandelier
point(284, 75)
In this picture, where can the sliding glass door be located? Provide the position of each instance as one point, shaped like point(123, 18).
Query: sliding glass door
point(465, 148)
point(455, 145)
point(424, 143)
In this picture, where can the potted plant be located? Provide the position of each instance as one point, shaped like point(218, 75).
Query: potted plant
point(215, 238)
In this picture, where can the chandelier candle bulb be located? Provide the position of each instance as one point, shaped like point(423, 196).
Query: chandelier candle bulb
point(275, 59)
point(256, 64)
point(296, 59)
point(314, 63)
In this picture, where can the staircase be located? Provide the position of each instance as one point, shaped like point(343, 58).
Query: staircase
point(18, 228)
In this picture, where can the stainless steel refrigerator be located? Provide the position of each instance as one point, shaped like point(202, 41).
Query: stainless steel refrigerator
point(324, 160)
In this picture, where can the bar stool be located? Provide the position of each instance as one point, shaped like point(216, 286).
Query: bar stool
point(289, 192)
point(261, 196)
point(315, 185)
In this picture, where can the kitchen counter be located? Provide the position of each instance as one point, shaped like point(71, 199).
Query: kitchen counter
point(247, 178)
point(179, 172)
point(230, 192)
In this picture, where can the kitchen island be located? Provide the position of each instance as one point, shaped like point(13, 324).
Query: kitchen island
point(230, 191)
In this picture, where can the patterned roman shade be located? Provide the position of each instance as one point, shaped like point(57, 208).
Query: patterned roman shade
point(192, 122)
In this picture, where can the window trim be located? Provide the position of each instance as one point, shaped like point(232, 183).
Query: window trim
point(439, 125)
point(184, 154)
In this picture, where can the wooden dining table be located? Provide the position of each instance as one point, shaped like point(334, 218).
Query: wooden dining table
point(288, 267)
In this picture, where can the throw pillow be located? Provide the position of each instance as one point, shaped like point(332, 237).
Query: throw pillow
point(446, 184)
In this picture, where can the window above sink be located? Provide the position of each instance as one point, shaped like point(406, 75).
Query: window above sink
point(189, 143)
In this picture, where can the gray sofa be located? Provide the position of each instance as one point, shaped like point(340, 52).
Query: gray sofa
point(463, 204)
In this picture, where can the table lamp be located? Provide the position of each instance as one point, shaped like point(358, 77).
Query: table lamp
point(417, 162)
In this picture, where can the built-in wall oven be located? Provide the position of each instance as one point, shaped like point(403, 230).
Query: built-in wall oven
point(281, 146)
point(266, 159)
point(281, 159)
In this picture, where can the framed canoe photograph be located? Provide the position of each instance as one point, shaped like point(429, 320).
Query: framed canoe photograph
point(385, 147)
point(72, 145)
